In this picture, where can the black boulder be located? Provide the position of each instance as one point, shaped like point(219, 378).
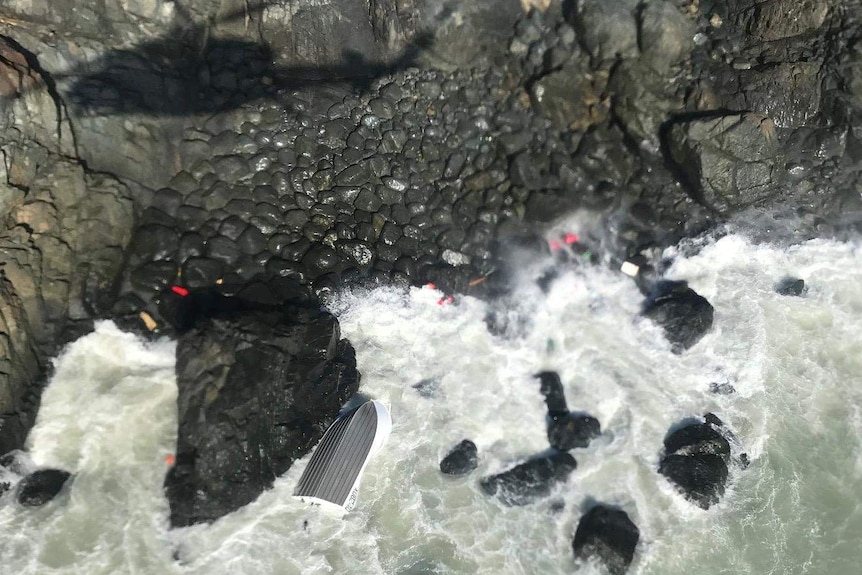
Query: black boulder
point(532, 480)
point(684, 315)
point(701, 477)
point(41, 486)
point(790, 286)
point(608, 535)
point(566, 430)
point(461, 459)
point(697, 439)
point(552, 390)
point(570, 430)
point(257, 389)
point(696, 459)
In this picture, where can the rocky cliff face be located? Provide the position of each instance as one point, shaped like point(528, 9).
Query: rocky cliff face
point(63, 235)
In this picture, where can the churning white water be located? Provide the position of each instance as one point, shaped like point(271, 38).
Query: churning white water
point(109, 415)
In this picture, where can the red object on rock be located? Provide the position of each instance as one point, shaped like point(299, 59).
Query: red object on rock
point(571, 238)
point(555, 245)
point(445, 300)
point(180, 290)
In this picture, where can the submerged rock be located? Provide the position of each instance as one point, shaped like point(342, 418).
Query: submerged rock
point(461, 459)
point(41, 486)
point(790, 286)
point(608, 535)
point(532, 480)
point(566, 430)
point(684, 315)
point(428, 388)
point(721, 388)
point(570, 430)
point(696, 460)
point(257, 389)
point(552, 390)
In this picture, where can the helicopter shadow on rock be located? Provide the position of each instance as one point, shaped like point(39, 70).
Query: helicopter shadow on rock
point(187, 72)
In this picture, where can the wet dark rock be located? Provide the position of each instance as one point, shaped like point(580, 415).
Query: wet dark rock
point(395, 184)
point(607, 534)
point(790, 286)
point(723, 388)
point(428, 388)
point(779, 20)
point(41, 486)
point(566, 430)
point(461, 459)
point(154, 276)
point(571, 430)
point(251, 241)
point(569, 97)
point(666, 35)
point(230, 168)
point(390, 233)
point(232, 227)
point(530, 481)
point(526, 170)
point(126, 304)
point(282, 268)
point(731, 161)
point(201, 272)
point(355, 252)
point(607, 29)
point(698, 439)
point(701, 477)
point(382, 107)
point(789, 93)
point(430, 89)
point(553, 392)
point(367, 201)
point(321, 259)
point(153, 215)
point(283, 375)
point(356, 175)
point(240, 207)
point(191, 244)
point(454, 165)
point(388, 196)
point(641, 103)
point(387, 254)
point(684, 315)
point(222, 249)
point(155, 242)
point(167, 201)
point(696, 458)
point(191, 216)
point(265, 225)
point(295, 219)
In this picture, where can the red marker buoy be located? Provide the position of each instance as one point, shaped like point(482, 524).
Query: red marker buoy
point(431, 285)
point(181, 291)
point(170, 459)
point(571, 238)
